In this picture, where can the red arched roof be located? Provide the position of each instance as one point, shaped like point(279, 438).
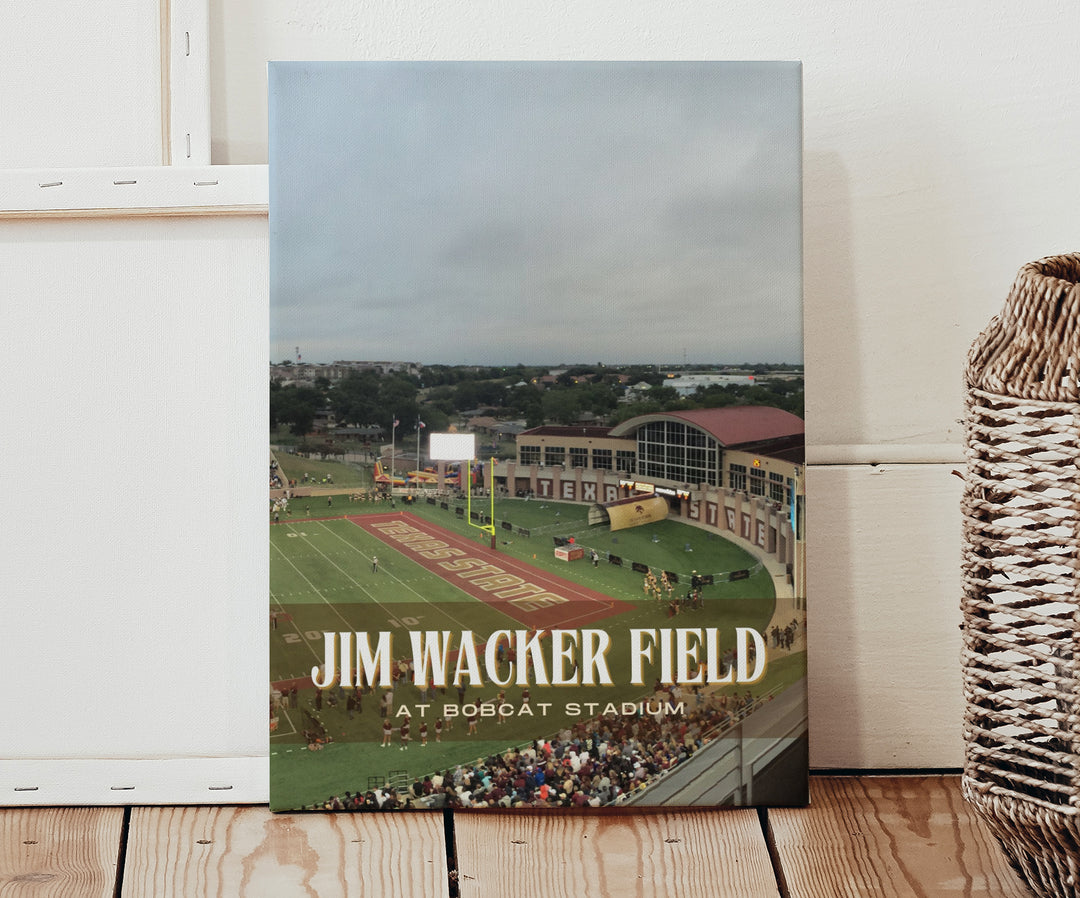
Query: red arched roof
point(731, 426)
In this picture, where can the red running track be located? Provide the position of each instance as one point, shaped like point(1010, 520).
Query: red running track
point(532, 597)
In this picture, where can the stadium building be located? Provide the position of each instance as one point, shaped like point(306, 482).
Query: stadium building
point(735, 470)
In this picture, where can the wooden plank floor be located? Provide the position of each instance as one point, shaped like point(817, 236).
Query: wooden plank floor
point(862, 836)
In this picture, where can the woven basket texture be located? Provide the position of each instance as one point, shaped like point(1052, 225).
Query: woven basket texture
point(1021, 576)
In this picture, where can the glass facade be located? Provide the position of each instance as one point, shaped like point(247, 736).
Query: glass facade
point(529, 455)
point(554, 455)
point(579, 458)
point(757, 482)
point(777, 492)
point(737, 477)
point(601, 459)
point(672, 450)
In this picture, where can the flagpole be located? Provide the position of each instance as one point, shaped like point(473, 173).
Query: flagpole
point(489, 482)
point(419, 424)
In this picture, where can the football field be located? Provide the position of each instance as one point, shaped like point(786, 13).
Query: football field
point(421, 567)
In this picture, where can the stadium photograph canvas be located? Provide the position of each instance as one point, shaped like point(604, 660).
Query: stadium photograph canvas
point(536, 455)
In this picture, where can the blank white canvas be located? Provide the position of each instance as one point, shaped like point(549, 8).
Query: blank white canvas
point(80, 84)
point(134, 483)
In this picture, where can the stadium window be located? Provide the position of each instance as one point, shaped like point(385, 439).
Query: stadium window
point(652, 452)
point(757, 482)
point(776, 487)
point(529, 455)
point(579, 458)
point(676, 461)
point(737, 477)
point(672, 450)
point(697, 464)
point(625, 460)
point(653, 470)
point(554, 455)
point(601, 460)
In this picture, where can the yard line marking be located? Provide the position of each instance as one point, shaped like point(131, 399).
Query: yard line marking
point(314, 588)
point(296, 628)
point(291, 732)
point(404, 584)
point(355, 582)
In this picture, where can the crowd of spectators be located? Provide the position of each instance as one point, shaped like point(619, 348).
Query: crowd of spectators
point(596, 762)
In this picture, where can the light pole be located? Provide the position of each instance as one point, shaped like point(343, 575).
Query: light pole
point(420, 425)
point(393, 452)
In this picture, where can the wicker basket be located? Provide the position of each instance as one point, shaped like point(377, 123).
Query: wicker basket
point(1021, 576)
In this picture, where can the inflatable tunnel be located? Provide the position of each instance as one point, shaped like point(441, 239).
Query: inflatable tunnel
point(630, 512)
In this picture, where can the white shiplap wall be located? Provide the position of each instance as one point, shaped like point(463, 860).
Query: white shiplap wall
point(939, 157)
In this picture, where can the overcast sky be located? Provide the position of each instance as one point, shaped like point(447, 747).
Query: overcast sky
point(497, 213)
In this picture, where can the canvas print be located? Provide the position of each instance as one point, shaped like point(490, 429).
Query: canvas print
point(536, 457)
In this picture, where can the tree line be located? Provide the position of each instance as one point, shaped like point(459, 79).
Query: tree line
point(439, 394)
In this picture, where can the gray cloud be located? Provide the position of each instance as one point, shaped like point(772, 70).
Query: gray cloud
point(535, 212)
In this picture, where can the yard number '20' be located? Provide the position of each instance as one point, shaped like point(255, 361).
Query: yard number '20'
point(313, 635)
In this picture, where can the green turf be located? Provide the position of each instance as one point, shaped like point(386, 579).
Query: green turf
point(678, 547)
point(321, 580)
point(346, 475)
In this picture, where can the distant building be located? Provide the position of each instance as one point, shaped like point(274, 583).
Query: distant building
point(635, 392)
point(308, 372)
point(369, 433)
point(687, 384)
point(325, 420)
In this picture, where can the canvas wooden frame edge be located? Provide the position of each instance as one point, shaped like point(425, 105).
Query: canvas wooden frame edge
point(54, 782)
point(155, 190)
point(185, 183)
point(185, 81)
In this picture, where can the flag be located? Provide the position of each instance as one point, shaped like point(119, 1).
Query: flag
point(396, 422)
point(420, 425)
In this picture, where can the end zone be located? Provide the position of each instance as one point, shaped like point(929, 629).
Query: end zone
point(526, 594)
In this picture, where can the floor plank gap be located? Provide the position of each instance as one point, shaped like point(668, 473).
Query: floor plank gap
point(774, 855)
point(451, 853)
point(121, 854)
